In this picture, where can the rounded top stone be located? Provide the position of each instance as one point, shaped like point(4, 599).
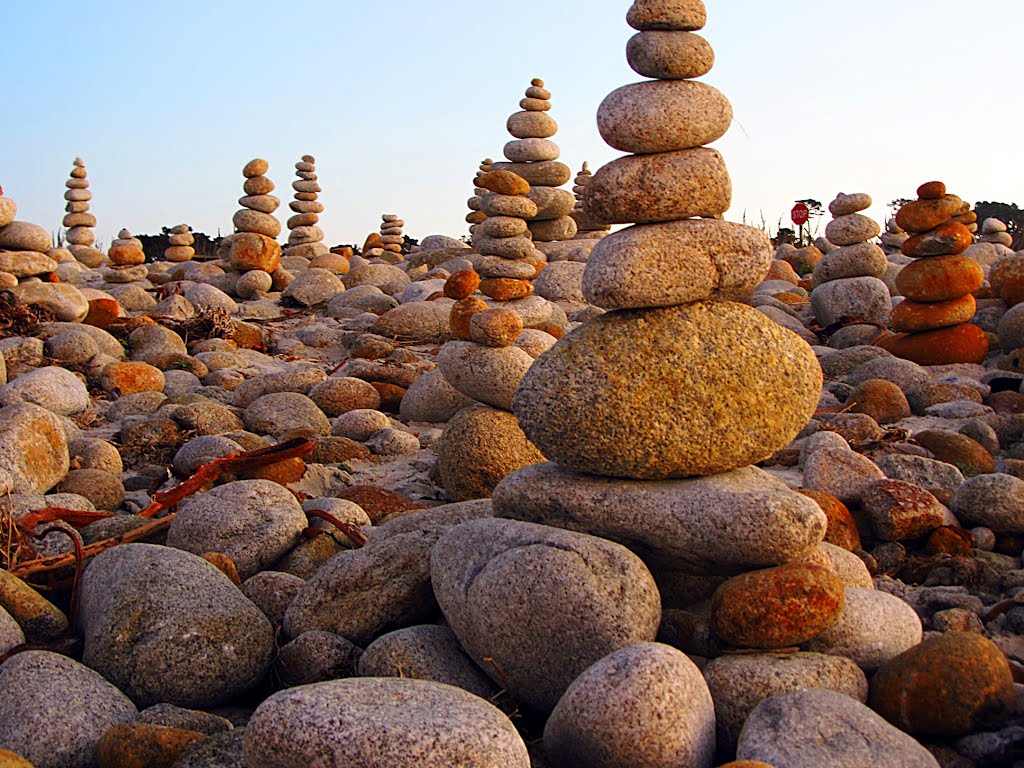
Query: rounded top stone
point(931, 190)
point(308, 159)
point(684, 15)
point(124, 234)
point(79, 162)
point(537, 82)
point(256, 167)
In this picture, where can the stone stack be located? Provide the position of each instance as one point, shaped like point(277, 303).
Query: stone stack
point(78, 221)
point(653, 412)
point(932, 321)
point(893, 238)
point(387, 247)
point(534, 156)
point(181, 242)
point(587, 228)
point(306, 238)
point(848, 289)
point(254, 246)
point(994, 231)
point(126, 251)
point(476, 216)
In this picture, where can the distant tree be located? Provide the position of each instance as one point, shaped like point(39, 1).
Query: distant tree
point(409, 244)
point(1009, 214)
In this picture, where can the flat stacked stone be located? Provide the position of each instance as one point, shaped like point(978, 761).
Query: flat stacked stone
point(181, 241)
point(848, 289)
point(23, 246)
point(254, 245)
point(931, 323)
point(587, 227)
point(652, 412)
point(508, 260)
point(306, 238)
point(476, 216)
point(534, 156)
point(994, 231)
point(78, 222)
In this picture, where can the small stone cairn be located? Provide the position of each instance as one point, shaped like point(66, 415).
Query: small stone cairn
point(126, 251)
point(587, 228)
point(534, 156)
point(508, 260)
point(994, 231)
point(181, 242)
point(254, 246)
point(305, 238)
point(78, 221)
point(387, 247)
point(476, 216)
point(630, 407)
point(893, 238)
point(848, 285)
point(932, 321)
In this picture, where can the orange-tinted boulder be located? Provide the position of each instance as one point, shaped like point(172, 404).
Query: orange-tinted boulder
point(922, 215)
point(959, 344)
point(379, 503)
point(777, 607)
point(932, 190)
point(460, 314)
point(505, 288)
point(246, 335)
point(125, 255)
point(880, 399)
point(462, 284)
point(504, 183)
point(841, 529)
point(132, 378)
point(372, 241)
point(102, 312)
point(280, 472)
point(949, 540)
point(143, 745)
point(390, 396)
point(949, 685)
point(250, 250)
point(964, 453)
point(1006, 278)
point(10, 759)
point(915, 316)
point(940, 278)
point(476, 217)
point(224, 564)
point(946, 239)
point(899, 510)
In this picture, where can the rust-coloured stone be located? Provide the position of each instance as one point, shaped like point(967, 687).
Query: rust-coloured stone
point(946, 239)
point(914, 316)
point(922, 215)
point(940, 278)
point(131, 378)
point(462, 284)
point(777, 607)
point(10, 759)
point(281, 472)
point(476, 217)
point(38, 618)
point(899, 510)
point(959, 344)
point(126, 255)
point(224, 564)
point(379, 504)
point(949, 685)
point(460, 314)
point(1006, 402)
point(505, 288)
point(841, 529)
point(372, 241)
point(250, 250)
point(804, 260)
point(504, 183)
point(964, 453)
point(390, 396)
point(1006, 278)
point(102, 313)
point(949, 540)
point(552, 330)
point(932, 190)
point(496, 327)
point(246, 335)
point(336, 449)
point(143, 745)
point(880, 399)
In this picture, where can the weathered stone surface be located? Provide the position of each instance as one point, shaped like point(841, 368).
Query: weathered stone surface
point(669, 55)
point(813, 728)
point(543, 603)
point(418, 321)
point(995, 501)
point(486, 374)
point(899, 510)
point(167, 626)
point(861, 299)
point(56, 389)
point(33, 449)
point(644, 705)
point(948, 685)
point(663, 116)
point(663, 265)
point(677, 521)
point(23, 236)
point(738, 683)
point(54, 710)
point(858, 260)
point(381, 722)
point(661, 187)
point(851, 229)
point(840, 472)
point(62, 299)
point(639, 393)
point(682, 15)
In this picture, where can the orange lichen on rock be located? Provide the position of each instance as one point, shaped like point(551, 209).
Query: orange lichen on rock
point(940, 278)
point(959, 344)
point(462, 284)
point(505, 288)
point(841, 529)
point(914, 316)
point(461, 313)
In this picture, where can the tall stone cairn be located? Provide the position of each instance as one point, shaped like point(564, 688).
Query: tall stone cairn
point(932, 321)
point(587, 228)
point(78, 222)
point(254, 246)
point(476, 216)
point(534, 156)
point(180, 245)
point(652, 413)
point(305, 238)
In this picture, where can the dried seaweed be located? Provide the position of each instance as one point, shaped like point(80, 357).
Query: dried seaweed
point(20, 319)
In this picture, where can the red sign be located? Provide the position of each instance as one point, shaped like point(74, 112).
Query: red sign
point(799, 214)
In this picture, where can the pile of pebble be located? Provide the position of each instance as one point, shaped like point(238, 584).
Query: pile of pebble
point(305, 238)
point(77, 219)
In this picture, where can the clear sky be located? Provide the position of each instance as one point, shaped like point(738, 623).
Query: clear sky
point(400, 99)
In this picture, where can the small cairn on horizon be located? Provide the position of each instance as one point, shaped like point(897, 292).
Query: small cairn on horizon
point(181, 241)
point(78, 221)
point(386, 247)
point(932, 322)
point(587, 228)
point(254, 247)
point(305, 238)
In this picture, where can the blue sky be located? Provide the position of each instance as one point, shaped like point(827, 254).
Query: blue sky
point(399, 100)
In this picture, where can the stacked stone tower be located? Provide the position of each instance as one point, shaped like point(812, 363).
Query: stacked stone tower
point(587, 228)
point(78, 221)
point(475, 215)
point(305, 237)
point(181, 241)
point(254, 246)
